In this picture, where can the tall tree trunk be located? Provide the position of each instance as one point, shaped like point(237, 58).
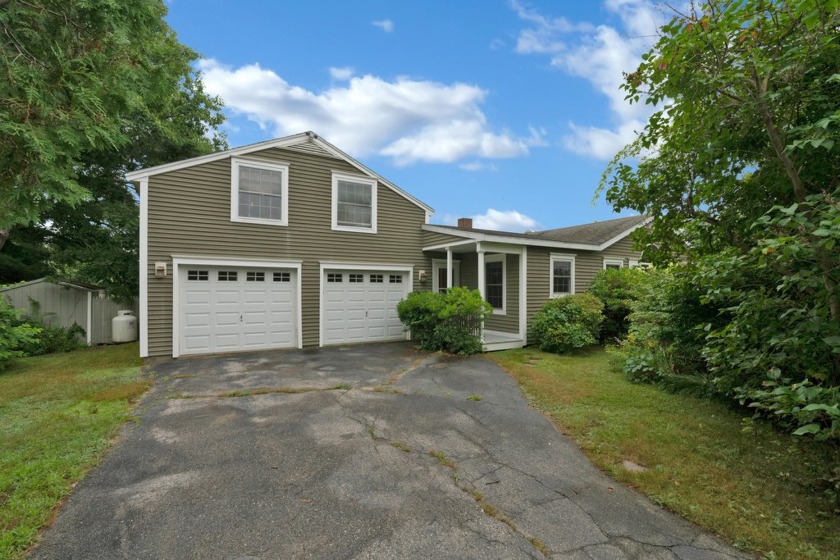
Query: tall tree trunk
point(4, 236)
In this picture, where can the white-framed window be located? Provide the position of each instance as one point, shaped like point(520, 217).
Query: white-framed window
point(353, 203)
point(633, 263)
point(495, 283)
point(562, 275)
point(613, 262)
point(259, 192)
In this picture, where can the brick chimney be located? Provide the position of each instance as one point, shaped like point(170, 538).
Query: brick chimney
point(465, 223)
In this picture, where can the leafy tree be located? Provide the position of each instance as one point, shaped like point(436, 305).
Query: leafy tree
point(740, 169)
point(94, 89)
point(749, 118)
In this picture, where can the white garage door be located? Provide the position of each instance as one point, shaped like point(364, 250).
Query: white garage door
point(361, 305)
point(225, 309)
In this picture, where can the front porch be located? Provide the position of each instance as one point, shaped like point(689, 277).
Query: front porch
point(498, 272)
point(495, 340)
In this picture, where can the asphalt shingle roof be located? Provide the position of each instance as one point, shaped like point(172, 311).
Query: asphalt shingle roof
point(595, 233)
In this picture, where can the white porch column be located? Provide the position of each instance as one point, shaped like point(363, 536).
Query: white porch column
point(449, 267)
point(481, 288)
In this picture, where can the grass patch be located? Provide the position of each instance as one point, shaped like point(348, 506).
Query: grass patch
point(401, 446)
point(260, 391)
point(58, 414)
point(475, 398)
point(759, 490)
point(442, 459)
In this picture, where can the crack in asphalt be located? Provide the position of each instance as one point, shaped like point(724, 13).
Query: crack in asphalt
point(502, 518)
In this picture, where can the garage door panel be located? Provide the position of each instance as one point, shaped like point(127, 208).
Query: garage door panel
point(220, 311)
point(198, 297)
point(197, 320)
point(226, 319)
point(362, 311)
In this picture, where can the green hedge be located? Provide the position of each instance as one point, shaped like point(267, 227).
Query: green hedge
point(445, 321)
point(568, 323)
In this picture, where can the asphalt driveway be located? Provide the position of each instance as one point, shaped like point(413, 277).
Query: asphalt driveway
point(360, 452)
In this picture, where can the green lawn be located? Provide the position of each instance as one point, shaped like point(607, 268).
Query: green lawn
point(756, 488)
point(58, 414)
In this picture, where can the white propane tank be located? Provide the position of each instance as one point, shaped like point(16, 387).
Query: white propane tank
point(124, 326)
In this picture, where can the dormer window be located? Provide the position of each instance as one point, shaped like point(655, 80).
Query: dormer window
point(353, 203)
point(259, 192)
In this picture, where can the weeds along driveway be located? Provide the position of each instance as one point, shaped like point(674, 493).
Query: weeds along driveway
point(372, 451)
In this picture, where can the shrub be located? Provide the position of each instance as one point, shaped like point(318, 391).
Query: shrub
point(53, 339)
point(567, 323)
point(666, 333)
point(445, 321)
point(13, 333)
point(618, 289)
point(803, 408)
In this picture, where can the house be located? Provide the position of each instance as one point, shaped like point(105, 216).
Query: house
point(64, 304)
point(291, 243)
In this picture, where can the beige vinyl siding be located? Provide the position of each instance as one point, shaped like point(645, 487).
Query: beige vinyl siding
point(189, 215)
point(587, 265)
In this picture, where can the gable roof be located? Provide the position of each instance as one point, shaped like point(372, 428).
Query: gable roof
point(596, 233)
point(596, 236)
point(307, 142)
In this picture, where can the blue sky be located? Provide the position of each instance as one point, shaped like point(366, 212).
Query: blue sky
point(504, 111)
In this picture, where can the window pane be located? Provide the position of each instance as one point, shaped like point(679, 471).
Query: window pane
point(493, 283)
point(354, 204)
point(561, 277)
point(260, 193)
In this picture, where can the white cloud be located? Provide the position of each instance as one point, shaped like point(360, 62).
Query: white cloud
point(407, 120)
point(478, 166)
point(601, 143)
point(341, 74)
point(599, 55)
point(504, 220)
point(385, 24)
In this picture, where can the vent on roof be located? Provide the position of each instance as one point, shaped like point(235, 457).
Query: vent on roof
point(465, 223)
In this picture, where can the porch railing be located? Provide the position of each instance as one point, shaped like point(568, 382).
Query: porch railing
point(472, 324)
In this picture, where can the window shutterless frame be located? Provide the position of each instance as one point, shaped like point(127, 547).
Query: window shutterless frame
point(561, 258)
point(236, 172)
point(339, 224)
point(495, 260)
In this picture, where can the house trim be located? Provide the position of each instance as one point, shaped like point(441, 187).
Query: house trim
point(235, 164)
point(523, 294)
point(332, 265)
point(336, 177)
point(178, 261)
point(144, 267)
